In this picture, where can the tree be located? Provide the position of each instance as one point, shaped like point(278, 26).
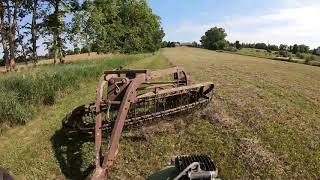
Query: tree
point(54, 25)
point(290, 48)
point(34, 6)
point(295, 49)
point(164, 44)
point(261, 46)
point(23, 46)
point(303, 48)
point(81, 26)
point(214, 39)
point(12, 10)
point(316, 51)
point(4, 36)
point(273, 48)
point(283, 47)
point(195, 44)
point(300, 49)
point(127, 26)
point(238, 45)
point(76, 50)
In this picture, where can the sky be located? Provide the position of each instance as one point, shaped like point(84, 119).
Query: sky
point(250, 21)
point(272, 21)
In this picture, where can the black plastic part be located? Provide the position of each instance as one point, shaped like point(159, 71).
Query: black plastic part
point(182, 162)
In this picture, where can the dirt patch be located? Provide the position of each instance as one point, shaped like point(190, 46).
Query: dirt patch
point(258, 158)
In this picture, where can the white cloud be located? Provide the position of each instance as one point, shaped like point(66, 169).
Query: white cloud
point(290, 25)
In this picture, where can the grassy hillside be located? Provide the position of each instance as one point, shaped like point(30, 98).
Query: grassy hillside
point(264, 122)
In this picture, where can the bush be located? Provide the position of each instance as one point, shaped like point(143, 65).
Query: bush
point(309, 58)
point(85, 49)
point(299, 55)
point(231, 49)
point(12, 112)
point(76, 50)
point(2, 63)
point(283, 53)
point(312, 58)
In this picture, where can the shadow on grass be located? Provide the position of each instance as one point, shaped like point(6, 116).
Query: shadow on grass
point(167, 173)
point(68, 151)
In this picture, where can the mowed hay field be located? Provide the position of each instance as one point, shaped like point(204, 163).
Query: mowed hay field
point(265, 118)
point(264, 122)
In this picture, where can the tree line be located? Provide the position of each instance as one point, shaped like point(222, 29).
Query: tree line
point(214, 39)
point(126, 26)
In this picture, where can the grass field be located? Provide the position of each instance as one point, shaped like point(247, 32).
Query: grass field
point(261, 53)
point(67, 59)
point(256, 53)
point(264, 123)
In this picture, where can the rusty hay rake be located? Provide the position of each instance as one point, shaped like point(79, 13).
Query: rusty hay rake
point(129, 98)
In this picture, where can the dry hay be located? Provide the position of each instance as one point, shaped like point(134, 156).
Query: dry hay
point(257, 158)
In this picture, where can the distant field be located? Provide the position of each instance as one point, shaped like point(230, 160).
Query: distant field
point(257, 53)
point(261, 53)
point(264, 123)
point(68, 59)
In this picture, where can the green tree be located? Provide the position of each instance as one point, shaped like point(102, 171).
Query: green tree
point(295, 49)
point(81, 26)
point(124, 25)
point(214, 39)
point(10, 10)
point(55, 26)
point(195, 44)
point(238, 45)
point(261, 46)
point(4, 36)
point(273, 48)
point(303, 48)
point(33, 7)
point(164, 44)
point(283, 47)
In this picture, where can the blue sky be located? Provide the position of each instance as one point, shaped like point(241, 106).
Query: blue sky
point(269, 21)
point(272, 21)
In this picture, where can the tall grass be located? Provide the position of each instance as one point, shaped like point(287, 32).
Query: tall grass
point(22, 93)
